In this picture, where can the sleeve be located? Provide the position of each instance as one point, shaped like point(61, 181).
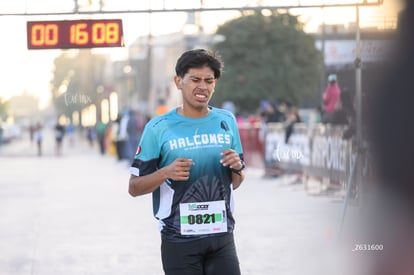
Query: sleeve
point(236, 143)
point(147, 155)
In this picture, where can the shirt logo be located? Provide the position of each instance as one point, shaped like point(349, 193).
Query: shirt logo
point(200, 141)
point(224, 125)
point(138, 150)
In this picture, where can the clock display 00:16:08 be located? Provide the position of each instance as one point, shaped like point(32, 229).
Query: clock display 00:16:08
point(74, 34)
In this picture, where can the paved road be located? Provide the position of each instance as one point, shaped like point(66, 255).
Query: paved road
point(72, 215)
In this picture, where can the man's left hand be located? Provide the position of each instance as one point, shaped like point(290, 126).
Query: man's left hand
point(231, 159)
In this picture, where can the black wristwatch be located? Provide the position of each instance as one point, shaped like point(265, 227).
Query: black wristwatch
point(238, 171)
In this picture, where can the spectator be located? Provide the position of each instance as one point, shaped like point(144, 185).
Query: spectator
point(345, 114)
point(330, 98)
point(273, 112)
point(119, 143)
point(123, 135)
point(293, 117)
point(134, 128)
point(1, 134)
point(162, 108)
point(91, 135)
point(32, 129)
point(38, 136)
point(70, 133)
point(100, 134)
point(59, 133)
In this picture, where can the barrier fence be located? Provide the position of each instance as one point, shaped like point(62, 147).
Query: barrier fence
point(319, 151)
point(253, 143)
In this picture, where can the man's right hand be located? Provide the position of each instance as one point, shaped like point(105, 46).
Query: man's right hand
point(179, 170)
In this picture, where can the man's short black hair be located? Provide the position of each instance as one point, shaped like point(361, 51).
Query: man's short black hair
point(198, 58)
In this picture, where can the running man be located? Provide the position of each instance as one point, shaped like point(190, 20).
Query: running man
point(191, 160)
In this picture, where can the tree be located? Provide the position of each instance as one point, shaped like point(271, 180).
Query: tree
point(3, 109)
point(266, 57)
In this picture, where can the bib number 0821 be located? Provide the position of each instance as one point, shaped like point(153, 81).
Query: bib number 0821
point(201, 219)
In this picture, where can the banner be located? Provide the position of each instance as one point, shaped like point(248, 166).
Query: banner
point(320, 152)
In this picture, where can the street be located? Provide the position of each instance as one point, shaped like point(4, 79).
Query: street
point(72, 214)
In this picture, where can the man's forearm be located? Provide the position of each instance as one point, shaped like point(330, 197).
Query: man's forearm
point(237, 179)
point(141, 185)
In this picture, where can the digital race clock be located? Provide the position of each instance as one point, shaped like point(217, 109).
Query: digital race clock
point(70, 34)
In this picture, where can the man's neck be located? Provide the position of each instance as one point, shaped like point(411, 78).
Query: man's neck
point(193, 113)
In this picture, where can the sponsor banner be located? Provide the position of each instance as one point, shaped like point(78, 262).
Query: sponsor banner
point(338, 52)
point(321, 152)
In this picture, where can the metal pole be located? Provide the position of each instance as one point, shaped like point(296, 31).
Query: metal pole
point(358, 77)
point(323, 38)
point(359, 97)
point(355, 176)
point(350, 186)
point(203, 9)
point(150, 96)
point(76, 8)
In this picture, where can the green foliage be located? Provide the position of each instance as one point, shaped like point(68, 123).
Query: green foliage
point(3, 108)
point(266, 57)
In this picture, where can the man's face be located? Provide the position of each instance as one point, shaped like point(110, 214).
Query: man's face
point(197, 87)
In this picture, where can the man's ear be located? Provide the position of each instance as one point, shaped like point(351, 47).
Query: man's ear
point(178, 82)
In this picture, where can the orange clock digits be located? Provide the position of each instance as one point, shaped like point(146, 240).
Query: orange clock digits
point(79, 34)
point(72, 34)
point(105, 33)
point(44, 34)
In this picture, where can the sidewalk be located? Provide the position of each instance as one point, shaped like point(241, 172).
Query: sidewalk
point(72, 215)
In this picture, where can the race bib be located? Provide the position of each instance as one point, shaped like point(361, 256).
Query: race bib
point(198, 218)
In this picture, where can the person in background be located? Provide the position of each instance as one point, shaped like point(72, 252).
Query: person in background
point(229, 106)
point(115, 138)
point(32, 129)
point(123, 135)
point(273, 112)
point(59, 134)
point(330, 98)
point(319, 114)
point(345, 114)
point(101, 134)
point(38, 136)
point(134, 130)
point(292, 117)
point(162, 108)
point(91, 135)
point(191, 160)
point(70, 133)
point(1, 135)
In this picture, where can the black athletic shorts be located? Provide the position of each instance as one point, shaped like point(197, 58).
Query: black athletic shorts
point(213, 255)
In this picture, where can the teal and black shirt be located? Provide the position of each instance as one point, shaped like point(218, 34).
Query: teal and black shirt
point(171, 136)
